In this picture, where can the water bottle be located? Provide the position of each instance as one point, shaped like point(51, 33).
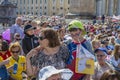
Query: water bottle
point(15, 68)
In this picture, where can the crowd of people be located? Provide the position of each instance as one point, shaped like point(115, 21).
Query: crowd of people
point(49, 50)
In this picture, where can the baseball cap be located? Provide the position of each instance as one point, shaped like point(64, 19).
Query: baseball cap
point(101, 49)
point(28, 27)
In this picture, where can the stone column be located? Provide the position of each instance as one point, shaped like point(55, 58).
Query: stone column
point(118, 7)
point(110, 7)
point(98, 8)
point(103, 7)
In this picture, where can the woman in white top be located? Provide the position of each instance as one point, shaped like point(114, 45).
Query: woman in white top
point(115, 59)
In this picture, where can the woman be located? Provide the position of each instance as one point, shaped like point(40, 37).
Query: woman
point(95, 44)
point(18, 60)
point(61, 33)
point(110, 75)
point(53, 53)
point(5, 53)
point(101, 65)
point(17, 38)
point(115, 59)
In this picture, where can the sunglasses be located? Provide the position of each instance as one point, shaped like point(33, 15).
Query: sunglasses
point(15, 51)
point(18, 39)
point(41, 37)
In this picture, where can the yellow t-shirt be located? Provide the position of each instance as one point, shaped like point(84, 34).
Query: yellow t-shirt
point(1, 59)
point(21, 67)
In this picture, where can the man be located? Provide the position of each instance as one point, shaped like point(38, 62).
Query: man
point(16, 28)
point(77, 32)
point(29, 41)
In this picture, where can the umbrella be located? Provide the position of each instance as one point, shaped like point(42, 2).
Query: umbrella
point(6, 35)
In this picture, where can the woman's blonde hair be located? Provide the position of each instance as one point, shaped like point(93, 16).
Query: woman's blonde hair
point(13, 45)
point(115, 52)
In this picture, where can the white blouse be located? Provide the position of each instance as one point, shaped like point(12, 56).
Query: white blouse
point(115, 62)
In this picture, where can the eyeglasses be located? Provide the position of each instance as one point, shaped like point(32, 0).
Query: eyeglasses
point(18, 39)
point(100, 55)
point(41, 37)
point(15, 51)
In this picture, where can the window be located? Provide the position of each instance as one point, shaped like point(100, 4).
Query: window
point(36, 1)
point(16, 12)
point(24, 1)
point(53, 2)
point(45, 7)
point(61, 1)
point(36, 13)
point(61, 8)
point(20, 1)
point(53, 13)
point(53, 7)
point(17, 1)
point(40, 1)
point(68, 1)
point(28, 1)
point(32, 1)
point(40, 7)
point(45, 1)
point(45, 13)
point(36, 7)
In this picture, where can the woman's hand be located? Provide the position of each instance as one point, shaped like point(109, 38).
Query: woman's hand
point(32, 53)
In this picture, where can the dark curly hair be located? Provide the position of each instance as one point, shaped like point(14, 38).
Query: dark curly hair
point(5, 46)
point(52, 37)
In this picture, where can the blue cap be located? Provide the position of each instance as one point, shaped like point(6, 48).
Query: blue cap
point(101, 49)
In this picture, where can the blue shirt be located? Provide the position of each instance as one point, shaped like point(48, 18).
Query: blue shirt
point(17, 29)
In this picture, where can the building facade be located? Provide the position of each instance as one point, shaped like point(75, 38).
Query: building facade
point(62, 7)
point(95, 7)
point(82, 7)
point(41, 7)
point(107, 7)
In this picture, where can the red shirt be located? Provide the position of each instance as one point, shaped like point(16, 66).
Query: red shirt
point(6, 55)
point(76, 76)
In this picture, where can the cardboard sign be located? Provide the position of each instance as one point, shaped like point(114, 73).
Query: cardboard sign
point(84, 65)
